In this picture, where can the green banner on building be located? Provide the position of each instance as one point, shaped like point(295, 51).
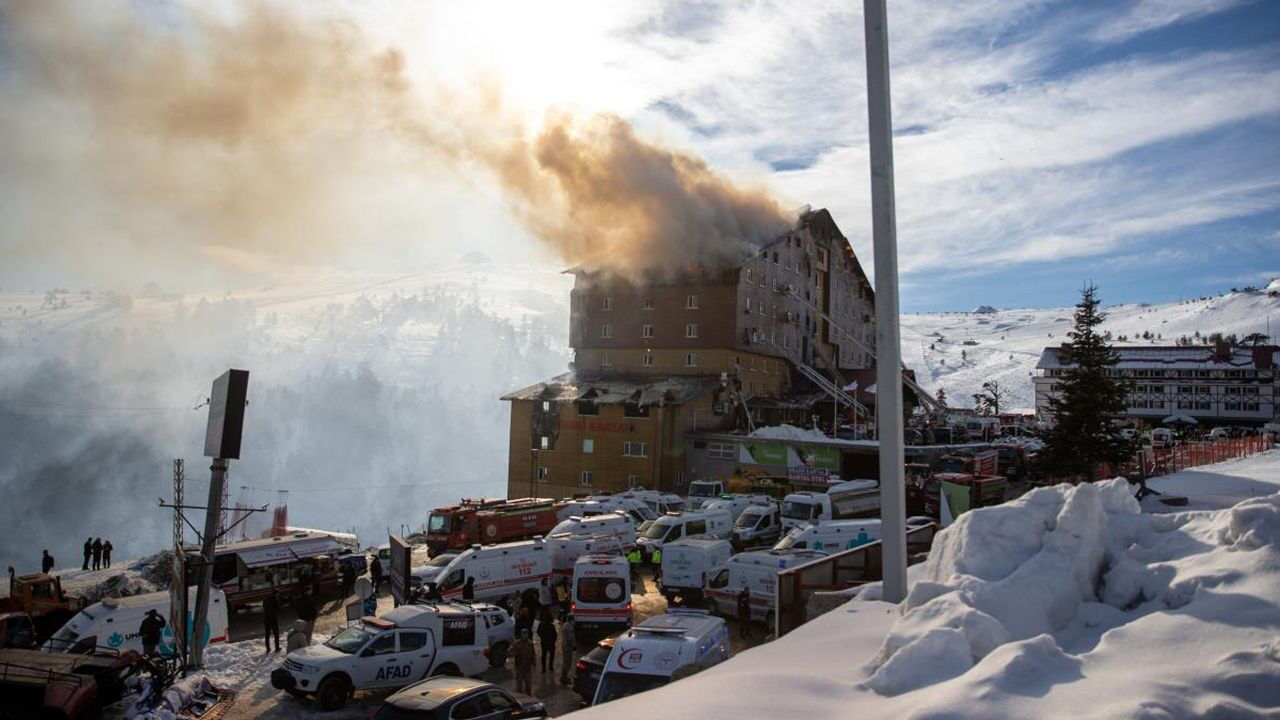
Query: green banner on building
point(784, 455)
point(957, 497)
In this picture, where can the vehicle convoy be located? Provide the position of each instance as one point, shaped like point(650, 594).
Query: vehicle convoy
point(40, 596)
point(402, 646)
point(830, 536)
point(247, 572)
point(601, 597)
point(759, 524)
point(650, 654)
point(111, 625)
point(566, 549)
point(450, 698)
point(704, 491)
point(497, 571)
point(611, 523)
point(983, 491)
point(850, 499)
point(39, 684)
point(488, 521)
point(758, 572)
point(675, 525)
point(686, 564)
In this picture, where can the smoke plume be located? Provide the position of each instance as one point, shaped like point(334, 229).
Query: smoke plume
point(269, 137)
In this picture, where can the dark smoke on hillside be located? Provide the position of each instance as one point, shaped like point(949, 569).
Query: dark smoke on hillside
point(270, 135)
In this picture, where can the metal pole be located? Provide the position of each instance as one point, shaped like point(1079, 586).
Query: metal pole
point(888, 340)
point(212, 517)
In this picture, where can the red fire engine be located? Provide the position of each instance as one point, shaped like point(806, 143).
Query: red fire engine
point(488, 521)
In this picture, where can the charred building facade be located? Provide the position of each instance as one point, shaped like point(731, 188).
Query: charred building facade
point(658, 358)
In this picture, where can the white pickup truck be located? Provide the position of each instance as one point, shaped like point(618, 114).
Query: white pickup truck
point(398, 648)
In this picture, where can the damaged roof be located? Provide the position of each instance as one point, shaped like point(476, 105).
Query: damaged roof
point(616, 390)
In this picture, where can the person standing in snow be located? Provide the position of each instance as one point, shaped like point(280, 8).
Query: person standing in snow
point(348, 580)
point(522, 656)
point(568, 646)
point(271, 620)
point(744, 613)
point(88, 553)
point(97, 553)
point(305, 606)
point(149, 631)
point(106, 554)
point(46, 562)
point(375, 572)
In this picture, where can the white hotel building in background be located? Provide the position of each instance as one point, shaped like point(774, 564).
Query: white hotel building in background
point(1215, 385)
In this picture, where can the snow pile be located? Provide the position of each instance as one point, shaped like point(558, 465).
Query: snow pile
point(131, 577)
point(1068, 602)
point(1030, 444)
point(788, 432)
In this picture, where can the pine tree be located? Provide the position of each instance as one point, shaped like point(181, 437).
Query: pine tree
point(1088, 397)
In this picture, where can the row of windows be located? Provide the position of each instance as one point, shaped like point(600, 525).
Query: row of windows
point(629, 449)
point(586, 478)
point(690, 303)
point(647, 331)
point(690, 360)
point(1158, 374)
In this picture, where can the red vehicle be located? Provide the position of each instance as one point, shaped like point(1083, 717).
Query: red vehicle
point(488, 521)
point(981, 462)
point(983, 491)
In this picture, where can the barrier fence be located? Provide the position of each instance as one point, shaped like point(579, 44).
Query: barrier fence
point(1152, 461)
point(843, 570)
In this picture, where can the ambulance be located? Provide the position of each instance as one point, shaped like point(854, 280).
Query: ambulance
point(736, 503)
point(601, 596)
point(830, 536)
point(113, 623)
point(758, 572)
point(658, 501)
point(686, 563)
point(673, 526)
point(611, 523)
point(759, 524)
point(566, 549)
point(398, 648)
point(501, 571)
point(600, 504)
point(661, 648)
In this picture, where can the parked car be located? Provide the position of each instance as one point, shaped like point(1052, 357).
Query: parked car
point(451, 698)
point(423, 574)
point(590, 667)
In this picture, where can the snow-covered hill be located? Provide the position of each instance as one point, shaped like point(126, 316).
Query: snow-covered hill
point(958, 352)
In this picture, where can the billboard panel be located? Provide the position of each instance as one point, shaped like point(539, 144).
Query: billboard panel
point(401, 553)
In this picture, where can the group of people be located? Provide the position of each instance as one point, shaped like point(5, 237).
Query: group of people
point(97, 552)
point(307, 609)
point(635, 558)
point(536, 607)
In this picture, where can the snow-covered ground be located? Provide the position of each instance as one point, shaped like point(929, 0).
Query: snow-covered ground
point(958, 352)
point(1068, 602)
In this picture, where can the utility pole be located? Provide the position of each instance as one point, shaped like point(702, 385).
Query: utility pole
point(888, 337)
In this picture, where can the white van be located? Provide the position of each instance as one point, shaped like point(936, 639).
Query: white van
point(566, 549)
point(502, 570)
point(759, 524)
point(1219, 433)
point(601, 592)
point(113, 623)
point(649, 654)
point(1163, 438)
point(736, 503)
point(704, 491)
point(639, 510)
point(658, 501)
point(403, 646)
point(758, 572)
point(830, 536)
point(610, 523)
point(673, 526)
point(686, 564)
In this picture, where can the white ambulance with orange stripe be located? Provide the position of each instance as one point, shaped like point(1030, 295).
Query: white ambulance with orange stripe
point(497, 571)
point(601, 592)
point(758, 572)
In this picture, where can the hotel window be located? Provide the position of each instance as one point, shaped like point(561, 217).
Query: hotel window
point(606, 303)
point(646, 331)
point(605, 361)
point(691, 302)
point(588, 407)
point(544, 443)
point(543, 475)
point(588, 446)
point(691, 360)
point(721, 451)
point(606, 331)
point(691, 330)
point(635, 449)
point(646, 304)
point(647, 359)
point(586, 478)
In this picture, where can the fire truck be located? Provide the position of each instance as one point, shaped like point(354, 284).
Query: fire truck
point(487, 521)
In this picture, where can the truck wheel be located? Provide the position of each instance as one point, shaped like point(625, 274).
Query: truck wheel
point(333, 693)
point(447, 669)
point(498, 654)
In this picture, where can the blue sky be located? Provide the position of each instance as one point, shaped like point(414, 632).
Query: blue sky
point(1039, 144)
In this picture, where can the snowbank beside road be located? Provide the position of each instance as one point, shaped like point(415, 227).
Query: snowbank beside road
point(1067, 602)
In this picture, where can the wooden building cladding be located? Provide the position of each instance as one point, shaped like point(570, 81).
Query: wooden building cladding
point(766, 306)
